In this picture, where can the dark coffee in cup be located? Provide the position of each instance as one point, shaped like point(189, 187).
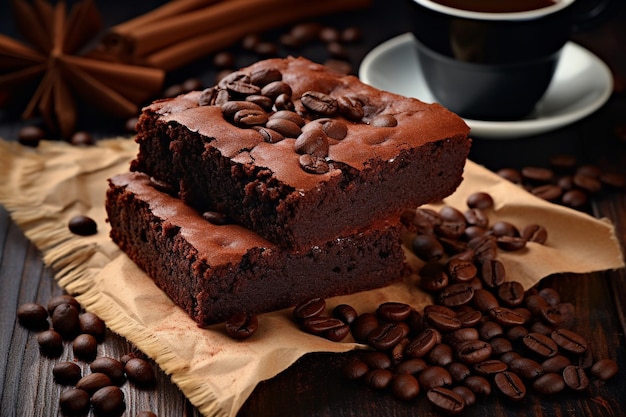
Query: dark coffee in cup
point(491, 59)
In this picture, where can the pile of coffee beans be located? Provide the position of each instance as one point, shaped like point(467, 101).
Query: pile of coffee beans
point(261, 100)
point(99, 389)
point(565, 181)
point(484, 335)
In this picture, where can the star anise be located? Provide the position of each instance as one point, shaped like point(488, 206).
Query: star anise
point(52, 61)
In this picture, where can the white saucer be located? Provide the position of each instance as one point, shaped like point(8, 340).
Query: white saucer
point(581, 85)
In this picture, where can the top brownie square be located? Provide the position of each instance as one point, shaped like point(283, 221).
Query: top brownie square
point(301, 154)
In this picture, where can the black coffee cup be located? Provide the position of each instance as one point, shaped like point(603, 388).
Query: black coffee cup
point(484, 62)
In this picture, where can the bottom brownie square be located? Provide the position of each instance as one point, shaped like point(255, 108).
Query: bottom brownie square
point(214, 271)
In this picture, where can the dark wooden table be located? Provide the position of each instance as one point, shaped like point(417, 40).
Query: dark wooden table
point(314, 385)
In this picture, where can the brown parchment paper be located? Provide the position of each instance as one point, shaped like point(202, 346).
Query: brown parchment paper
point(44, 187)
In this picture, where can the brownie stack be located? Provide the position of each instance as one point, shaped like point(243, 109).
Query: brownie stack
point(283, 182)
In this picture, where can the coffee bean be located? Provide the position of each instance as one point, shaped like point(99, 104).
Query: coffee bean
point(62, 299)
point(569, 341)
point(264, 76)
point(492, 272)
point(386, 336)
point(320, 324)
point(442, 322)
point(473, 351)
point(461, 270)
point(485, 247)
point(345, 313)
point(434, 376)
point(405, 386)
point(549, 383)
point(285, 127)
point(510, 243)
point(108, 402)
point(313, 164)
point(350, 108)
point(604, 369)
point(312, 142)
point(50, 343)
point(526, 368)
point(453, 222)
point(588, 183)
point(422, 343)
point(66, 373)
point(81, 138)
point(461, 335)
point(363, 325)
point(111, 367)
point(476, 217)
point(446, 400)
point(458, 371)
point(90, 323)
point(574, 199)
point(509, 357)
point(456, 295)
point(470, 318)
point(337, 334)
point(411, 366)
point(85, 347)
point(489, 329)
point(93, 382)
point(376, 360)
point(548, 192)
point(555, 364)
point(384, 120)
point(33, 316)
point(433, 278)
point(490, 367)
point(484, 300)
point(393, 311)
point(515, 333)
point(537, 174)
point(510, 174)
point(140, 372)
point(355, 368)
point(511, 293)
point(506, 317)
point(319, 103)
point(83, 225)
point(74, 402)
point(241, 325)
point(378, 378)
point(500, 345)
point(540, 344)
point(65, 320)
point(575, 378)
point(284, 102)
point(478, 384)
point(441, 355)
point(276, 88)
point(535, 233)
point(480, 200)
point(427, 247)
point(510, 384)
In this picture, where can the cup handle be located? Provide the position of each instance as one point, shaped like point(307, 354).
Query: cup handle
point(591, 13)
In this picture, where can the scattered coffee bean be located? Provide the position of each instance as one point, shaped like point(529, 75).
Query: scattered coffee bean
point(241, 325)
point(30, 136)
point(62, 299)
point(93, 382)
point(65, 320)
point(446, 400)
point(140, 372)
point(111, 367)
point(74, 402)
point(33, 316)
point(604, 369)
point(66, 373)
point(81, 138)
point(511, 385)
point(93, 325)
point(108, 402)
point(50, 343)
point(85, 347)
point(83, 225)
point(575, 378)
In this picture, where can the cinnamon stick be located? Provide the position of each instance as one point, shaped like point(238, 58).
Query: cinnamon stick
point(118, 41)
point(184, 52)
point(149, 38)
